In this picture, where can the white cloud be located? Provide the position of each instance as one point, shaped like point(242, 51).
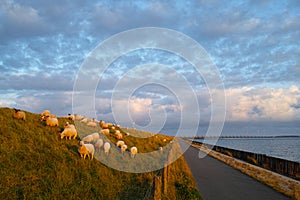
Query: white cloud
point(250, 103)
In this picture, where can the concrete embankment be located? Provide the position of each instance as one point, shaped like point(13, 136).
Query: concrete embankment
point(283, 184)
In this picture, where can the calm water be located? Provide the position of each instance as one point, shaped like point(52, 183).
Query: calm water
point(286, 148)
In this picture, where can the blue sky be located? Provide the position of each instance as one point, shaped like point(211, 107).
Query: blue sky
point(254, 44)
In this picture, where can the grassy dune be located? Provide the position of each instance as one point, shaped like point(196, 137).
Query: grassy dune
point(36, 164)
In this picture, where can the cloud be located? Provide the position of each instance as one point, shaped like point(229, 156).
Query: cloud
point(19, 20)
point(267, 104)
point(255, 45)
point(39, 81)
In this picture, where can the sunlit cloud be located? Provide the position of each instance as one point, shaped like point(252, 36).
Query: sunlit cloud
point(254, 44)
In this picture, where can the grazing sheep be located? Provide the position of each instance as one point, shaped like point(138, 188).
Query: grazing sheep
point(88, 139)
point(110, 125)
point(160, 148)
point(51, 121)
point(133, 152)
point(84, 120)
point(19, 114)
point(123, 148)
point(67, 125)
point(95, 136)
point(98, 144)
point(105, 131)
point(45, 113)
point(71, 117)
point(69, 132)
point(119, 136)
point(86, 149)
point(95, 120)
point(103, 125)
point(92, 124)
point(83, 151)
point(120, 143)
point(78, 117)
point(106, 148)
point(127, 134)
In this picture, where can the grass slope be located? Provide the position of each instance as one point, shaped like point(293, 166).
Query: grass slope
point(36, 164)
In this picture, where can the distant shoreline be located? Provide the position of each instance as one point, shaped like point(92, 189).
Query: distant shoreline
point(242, 137)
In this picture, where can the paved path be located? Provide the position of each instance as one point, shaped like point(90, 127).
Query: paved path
point(218, 181)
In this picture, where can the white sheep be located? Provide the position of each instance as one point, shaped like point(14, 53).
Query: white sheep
point(103, 125)
point(45, 113)
point(98, 144)
point(123, 148)
point(69, 132)
point(91, 124)
point(88, 139)
point(71, 117)
point(19, 114)
point(84, 120)
point(127, 134)
point(95, 120)
point(51, 121)
point(110, 125)
point(95, 136)
point(119, 136)
point(78, 117)
point(106, 148)
point(68, 125)
point(86, 149)
point(120, 143)
point(105, 131)
point(133, 152)
point(160, 148)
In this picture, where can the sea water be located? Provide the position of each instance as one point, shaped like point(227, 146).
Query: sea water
point(287, 148)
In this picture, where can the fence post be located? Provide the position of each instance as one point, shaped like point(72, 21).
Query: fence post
point(165, 178)
point(157, 188)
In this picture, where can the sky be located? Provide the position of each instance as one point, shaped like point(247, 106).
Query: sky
point(254, 45)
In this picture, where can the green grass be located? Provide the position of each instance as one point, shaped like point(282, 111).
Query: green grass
point(36, 164)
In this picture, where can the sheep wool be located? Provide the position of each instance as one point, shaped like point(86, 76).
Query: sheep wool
point(19, 114)
point(106, 148)
point(92, 124)
point(88, 139)
point(46, 113)
point(51, 121)
point(133, 152)
point(123, 148)
point(95, 136)
point(120, 143)
point(86, 150)
point(98, 144)
point(105, 131)
point(69, 133)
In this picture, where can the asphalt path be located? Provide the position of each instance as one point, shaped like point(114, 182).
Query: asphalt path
point(218, 181)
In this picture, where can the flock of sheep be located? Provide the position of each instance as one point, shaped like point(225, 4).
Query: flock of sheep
point(90, 143)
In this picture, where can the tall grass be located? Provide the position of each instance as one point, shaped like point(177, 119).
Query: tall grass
point(36, 164)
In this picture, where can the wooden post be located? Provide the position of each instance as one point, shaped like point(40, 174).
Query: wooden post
point(157, 188)
point(165, 178)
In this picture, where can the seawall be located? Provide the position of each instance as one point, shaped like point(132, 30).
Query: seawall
point(286, 185)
